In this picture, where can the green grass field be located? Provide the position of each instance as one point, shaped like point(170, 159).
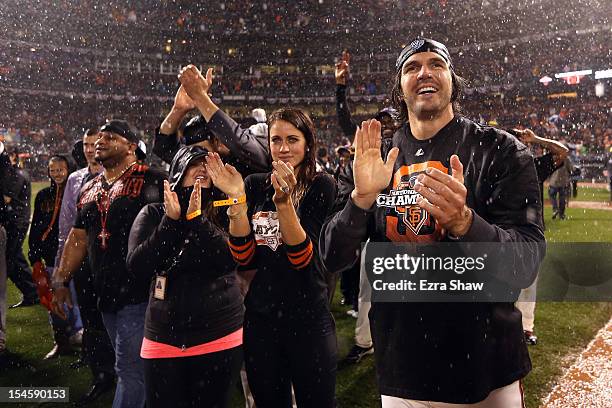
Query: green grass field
point(592, 194)
point(564, 329)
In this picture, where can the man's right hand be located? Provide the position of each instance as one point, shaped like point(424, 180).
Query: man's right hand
point(182, 101)
point(194, 83)
point(371, 173)
point(61, 296)
point(341, 72)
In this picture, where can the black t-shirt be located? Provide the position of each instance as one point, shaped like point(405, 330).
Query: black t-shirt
point(138, 187)
point(289, 284)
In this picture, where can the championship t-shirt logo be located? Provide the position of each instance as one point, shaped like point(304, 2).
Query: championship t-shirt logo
point(405, 220)
point(266, 229)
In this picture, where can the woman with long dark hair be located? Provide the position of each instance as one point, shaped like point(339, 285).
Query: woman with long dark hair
point(289, 332)
point(192, 347)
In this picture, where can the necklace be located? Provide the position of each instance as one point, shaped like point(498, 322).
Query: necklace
point(112, 180)
point(103, 202)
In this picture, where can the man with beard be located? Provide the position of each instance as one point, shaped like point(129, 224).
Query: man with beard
point(442, 354)
point(107, 207)
point(97, 349)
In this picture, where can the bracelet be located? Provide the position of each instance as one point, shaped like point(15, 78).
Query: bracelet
point(230, 201)
point(194, 214)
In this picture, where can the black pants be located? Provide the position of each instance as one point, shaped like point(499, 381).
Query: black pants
point(199, 381)
point(349, 286)
point(17, 268)
point(97, 347)
point(277, 356)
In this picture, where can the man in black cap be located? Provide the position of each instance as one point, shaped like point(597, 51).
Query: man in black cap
point(440, 354)
point(244, 148)
point(107, 207)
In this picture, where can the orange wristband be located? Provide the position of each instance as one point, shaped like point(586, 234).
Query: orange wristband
point(230, 201)
point(194, 214)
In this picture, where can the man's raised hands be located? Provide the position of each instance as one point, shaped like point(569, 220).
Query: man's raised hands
point(371, 173)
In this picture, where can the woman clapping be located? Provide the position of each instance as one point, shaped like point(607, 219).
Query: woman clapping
point(289, 332)
point(192, 347)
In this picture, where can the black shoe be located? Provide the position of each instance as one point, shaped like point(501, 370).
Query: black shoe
point(80, 363)
point(555, 215)
point(357, 353)
point(4, 358)
point(25, 302)
point(562, 216)
point(59, 350)
point(531, 338)
point(95, 391)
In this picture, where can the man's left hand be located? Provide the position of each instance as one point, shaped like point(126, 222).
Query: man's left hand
point(444, 197)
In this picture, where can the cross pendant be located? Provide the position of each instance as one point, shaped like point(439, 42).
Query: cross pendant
point(104, 236)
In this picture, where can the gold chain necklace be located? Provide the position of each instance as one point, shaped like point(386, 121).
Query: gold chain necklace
point(111, 181)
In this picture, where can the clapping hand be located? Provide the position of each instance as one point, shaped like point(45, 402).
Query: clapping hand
point(444, 197)
point(342, 68)
point(283, 181)
point(371, 173)
point(224, 176)
point(182, 101)
point(194, 83)
point(171, 202)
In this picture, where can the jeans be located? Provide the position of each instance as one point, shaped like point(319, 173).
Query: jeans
point(73, 323)
point(97, 346)
point(126, 330)
point(558, 206)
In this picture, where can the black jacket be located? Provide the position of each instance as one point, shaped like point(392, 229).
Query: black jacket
point(249, 152)
point(45, 212)
point(290, 282)
point(18, 187)
point(344, 114)
point(449, 352)
point(203, 300)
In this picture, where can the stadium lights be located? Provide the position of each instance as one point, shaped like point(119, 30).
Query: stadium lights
point(574, 73)
point(606, 73)
point(546, 80)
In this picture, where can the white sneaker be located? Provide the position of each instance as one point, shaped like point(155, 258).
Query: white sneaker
point(77, 338)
